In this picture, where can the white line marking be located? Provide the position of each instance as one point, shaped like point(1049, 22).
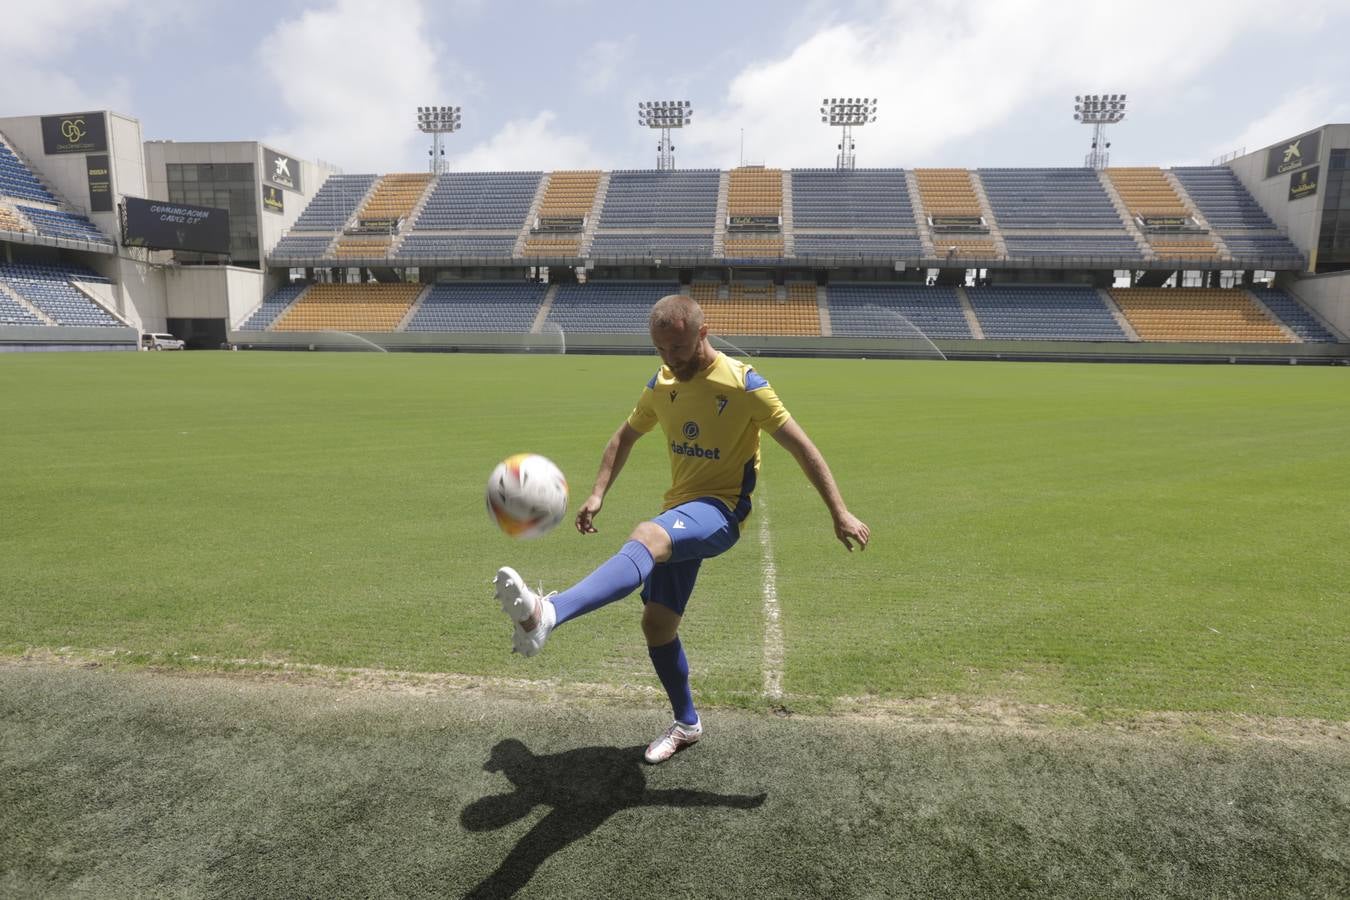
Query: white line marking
point(773, 630)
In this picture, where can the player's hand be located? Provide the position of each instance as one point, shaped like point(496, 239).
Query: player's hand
point(589, 510)
point(849, 528)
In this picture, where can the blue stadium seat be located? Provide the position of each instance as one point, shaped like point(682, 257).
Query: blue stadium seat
point(49, 288)
point(1028, 312)
point(479, 200)
point(613, 307)
point(896, 311)
point(1045, 199)
point(857, 198)
point(1291, 313)
point(61, 224)
point(480, 306)
point(272, 306)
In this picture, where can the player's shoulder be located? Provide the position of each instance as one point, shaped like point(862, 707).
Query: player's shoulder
point(742, 374)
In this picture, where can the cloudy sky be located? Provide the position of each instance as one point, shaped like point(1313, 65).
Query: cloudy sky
point(553, 84)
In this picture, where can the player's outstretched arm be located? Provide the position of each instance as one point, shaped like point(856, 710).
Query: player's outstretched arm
point(847, 527)
point(611, 464)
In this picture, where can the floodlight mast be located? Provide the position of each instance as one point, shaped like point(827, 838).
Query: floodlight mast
point(436, 121)
point(1099, 110)
point(845, 113)
point(662, 116)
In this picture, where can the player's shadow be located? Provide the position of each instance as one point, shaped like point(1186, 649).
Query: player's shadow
point(582, 787)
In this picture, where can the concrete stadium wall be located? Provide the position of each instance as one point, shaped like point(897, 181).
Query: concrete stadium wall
point(759, 345)
point(20, 338)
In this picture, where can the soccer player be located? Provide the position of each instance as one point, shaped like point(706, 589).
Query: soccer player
point(712, 409)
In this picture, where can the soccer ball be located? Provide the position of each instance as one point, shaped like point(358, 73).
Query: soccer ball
point(526, 495)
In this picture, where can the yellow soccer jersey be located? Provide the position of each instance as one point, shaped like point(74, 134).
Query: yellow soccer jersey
point(712, 424)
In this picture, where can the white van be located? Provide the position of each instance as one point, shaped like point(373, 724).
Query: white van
point(160, 342)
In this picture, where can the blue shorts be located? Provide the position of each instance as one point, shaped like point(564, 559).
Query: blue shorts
point(699, 530)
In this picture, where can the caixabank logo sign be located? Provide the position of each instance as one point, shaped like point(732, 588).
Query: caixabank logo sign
point(75, 133)
point(1293, 155)
point(282, 171)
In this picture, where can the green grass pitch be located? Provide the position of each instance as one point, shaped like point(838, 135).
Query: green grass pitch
point(1100, 537)
point(248, 647)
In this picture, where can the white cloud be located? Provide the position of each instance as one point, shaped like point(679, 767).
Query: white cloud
point(601, 64)
point(351, 76)
point(529, 144)
point(34, 80)
point(1305, 108)
point(945, 70)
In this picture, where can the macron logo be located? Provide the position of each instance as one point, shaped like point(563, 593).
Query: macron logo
point(679, 523)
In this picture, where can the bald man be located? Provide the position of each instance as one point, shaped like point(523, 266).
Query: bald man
point(712, 409)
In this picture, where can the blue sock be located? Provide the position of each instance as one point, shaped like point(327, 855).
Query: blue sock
point(615, 578)
point(673, 669)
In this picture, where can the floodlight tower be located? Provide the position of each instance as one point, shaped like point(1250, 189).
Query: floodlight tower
point(663, 115)
point(1099, 110)
point(436, 121)
point(845, 112)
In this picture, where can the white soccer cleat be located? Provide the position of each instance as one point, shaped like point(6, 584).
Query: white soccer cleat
point(520, 603)
point(677, 737)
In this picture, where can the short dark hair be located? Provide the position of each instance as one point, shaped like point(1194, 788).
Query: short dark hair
point(674, 310)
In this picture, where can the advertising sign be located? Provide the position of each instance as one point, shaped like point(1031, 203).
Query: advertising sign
point(75, 133)
point(1293, 155)
point(283, 171)
point(100, 183)
point(161, 225)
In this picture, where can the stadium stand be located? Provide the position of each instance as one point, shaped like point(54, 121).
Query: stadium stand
point(1116, 247)
point(1197, 248)
point(951, 246)
point(17, 181)
point(1289, 311)
point(62, 224)
point(613, 307)
point(554, 245)
point(755, 191)
point(334, 203)
point(350, 307)
point(1047, 199)
point(754, 196)
point(12, 312)
point(831, 199)
point(1149, 196)
point(568, 196)
point(362, 247)
point(1222, 199)
point(449, 246)
point(757, 310)
point(49, 289)
point(896, 311)
point(1197, 314)
point(1146, 192)
point(302, 246)
point(661, 199)
point(394, 196)
point(947, 192)
point(272, 306)
point(479, 201)
point(508, 307)
point(1272, 251)
point(10, 221)
point(1029, 312)
point(653, 245)
point(570, 193)
point(859, 246)
point(752, 247)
